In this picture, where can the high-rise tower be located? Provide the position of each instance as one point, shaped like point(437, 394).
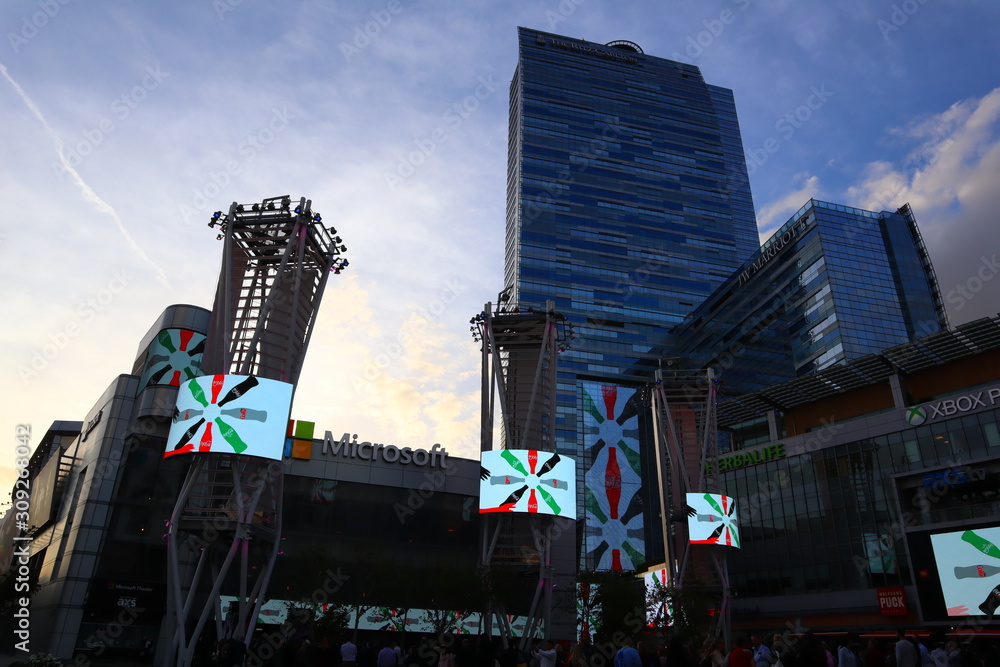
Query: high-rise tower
point(627, 205)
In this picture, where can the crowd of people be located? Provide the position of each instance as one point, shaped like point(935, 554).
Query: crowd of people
point(757, 650)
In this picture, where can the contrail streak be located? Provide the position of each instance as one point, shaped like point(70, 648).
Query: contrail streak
point(87, 192)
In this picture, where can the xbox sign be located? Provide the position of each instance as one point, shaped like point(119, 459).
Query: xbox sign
point(918, 414)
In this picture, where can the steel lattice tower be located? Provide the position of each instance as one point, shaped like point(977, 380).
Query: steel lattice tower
point(687, 458)
point(276, 261)
point(519, 353)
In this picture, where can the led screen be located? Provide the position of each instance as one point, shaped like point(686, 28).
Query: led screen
point(526, 480)
point(174, 356)
point(230, 414)
point(968, 566)
point(614, 537)
point(712, 520)
point(658, 610)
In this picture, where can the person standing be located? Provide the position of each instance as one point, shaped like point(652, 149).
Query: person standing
point(546, 656)
point(386, 657)
point(348, 654)
point(906, 652)
point(627, 656)
point(761, 653)
point(740, 656)
point(845, 656)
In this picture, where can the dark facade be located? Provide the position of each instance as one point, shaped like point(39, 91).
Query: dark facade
point(871, 460)
point(375, 535)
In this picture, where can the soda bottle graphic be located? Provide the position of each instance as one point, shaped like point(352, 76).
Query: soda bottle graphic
point(976, 571)
point(989, 606)
point(613, 482)
point(505, 479)
point(549, 500)
point(246, 413)
point(239, 390)
point(188, 434)
point(512, 461)
point(231, 436)
point(548, 465)
point(981, 544)
point(198, 393)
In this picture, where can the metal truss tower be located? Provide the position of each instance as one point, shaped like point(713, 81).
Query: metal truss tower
point(519, 352)
point(687, 457)
point(276, 261)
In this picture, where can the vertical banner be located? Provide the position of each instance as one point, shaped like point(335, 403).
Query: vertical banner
point(613, 482)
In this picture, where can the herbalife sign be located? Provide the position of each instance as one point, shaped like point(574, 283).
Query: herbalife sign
point(950, 407)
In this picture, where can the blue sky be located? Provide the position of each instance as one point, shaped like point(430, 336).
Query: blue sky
point(127, 124)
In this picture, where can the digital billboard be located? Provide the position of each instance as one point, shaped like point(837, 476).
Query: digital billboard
point(174, 356)
point(526, 480)
point(968, 567)
point(231, 414)
point(712, 519)
point(614, 534)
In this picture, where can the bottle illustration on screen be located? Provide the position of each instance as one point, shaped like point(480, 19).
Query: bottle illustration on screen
point(975, 571)
point(981, 543)
point(216, 400)
point(989, 606)
point(239, 390)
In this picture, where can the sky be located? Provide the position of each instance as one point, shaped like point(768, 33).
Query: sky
point(126, 124)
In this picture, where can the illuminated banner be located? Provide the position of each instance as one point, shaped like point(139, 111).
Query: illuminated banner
point(525, 480)
point(231, 414)
point(968, 564)
point(614, 534)
point(712, 520)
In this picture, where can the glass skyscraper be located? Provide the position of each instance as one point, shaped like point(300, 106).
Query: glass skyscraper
point(833, 284)
point(628, 199)
point(628, 204)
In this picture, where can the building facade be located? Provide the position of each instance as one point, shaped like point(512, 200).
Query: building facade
point(628, 204)
point(834, 283)
point(373, 526)
point(877, 493)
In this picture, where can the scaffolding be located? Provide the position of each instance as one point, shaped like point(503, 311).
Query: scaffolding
point(276, 261)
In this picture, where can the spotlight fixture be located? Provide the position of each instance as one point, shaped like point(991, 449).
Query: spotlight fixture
point(256, 208)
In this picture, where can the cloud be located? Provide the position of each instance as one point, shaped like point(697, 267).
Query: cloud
point(773, 215)
point(409, 380)
point(949, 179)
point(88, 193)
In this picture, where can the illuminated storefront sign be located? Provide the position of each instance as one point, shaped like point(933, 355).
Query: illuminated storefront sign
point(750, 457)
point(918, 414)
point(349, 447)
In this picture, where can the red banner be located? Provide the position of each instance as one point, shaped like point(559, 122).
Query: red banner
point(892, 601)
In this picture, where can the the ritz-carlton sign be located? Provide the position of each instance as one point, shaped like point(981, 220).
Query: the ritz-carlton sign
point(349, 447)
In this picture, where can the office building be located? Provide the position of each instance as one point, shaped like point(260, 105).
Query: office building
point(833, 284)
point(628, 204)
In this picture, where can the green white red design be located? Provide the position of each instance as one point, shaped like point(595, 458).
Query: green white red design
point(234, 414)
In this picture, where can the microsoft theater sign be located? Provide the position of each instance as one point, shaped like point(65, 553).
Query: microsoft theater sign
point(349, 448)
